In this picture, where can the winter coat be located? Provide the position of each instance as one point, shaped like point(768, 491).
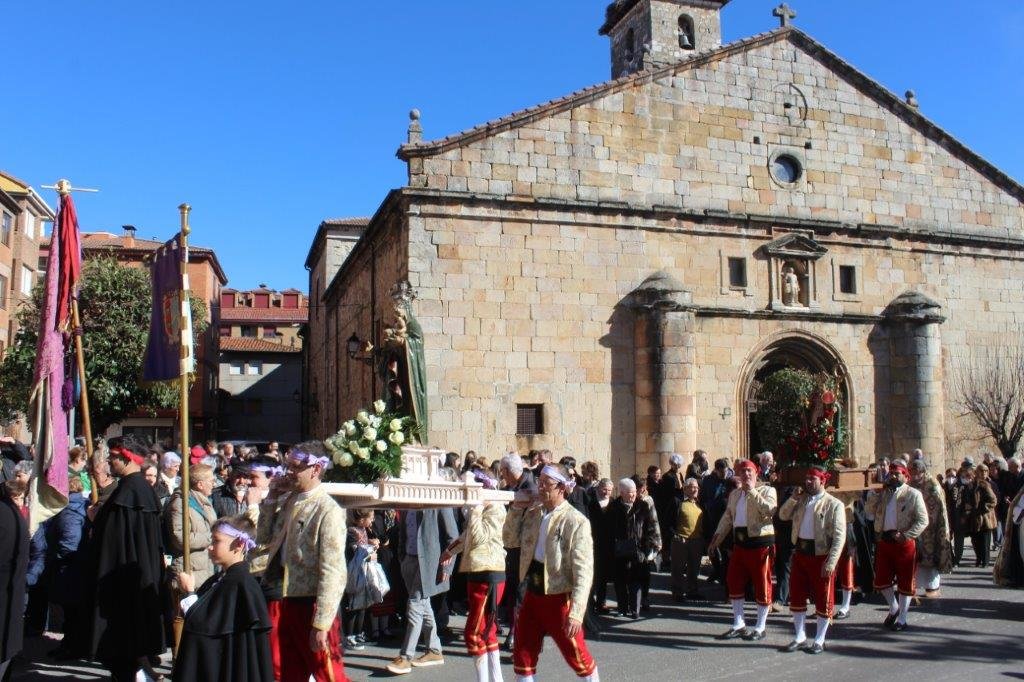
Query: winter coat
point(64, 544)
point(200, 534)
point(980, 507)
point(634, 528)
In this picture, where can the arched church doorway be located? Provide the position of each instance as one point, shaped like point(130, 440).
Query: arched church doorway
point(798, 350)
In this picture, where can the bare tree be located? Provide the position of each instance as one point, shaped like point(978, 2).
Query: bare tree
point(989, 386)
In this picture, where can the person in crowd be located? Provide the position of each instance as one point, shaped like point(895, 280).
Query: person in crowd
point(544, 458)
point(934, 552)
point(201, 515)
point(882, 470)
point(687, 543)
point(748, 521)
point(714, 496)
point(225, 633)
point(483, 562)
point(556, 564)
point(900, 516)
point(980, 512)
point(517, 479)
point(37, 581)
point(698, 466)
point(422, 535)
point(1013, 568)
point(274, 450)
point(578, 497)
point(667, 497)
point(452, 468)
point(16, 491)
point(590, 474)
point(766, 460)
point(997, 471)
point(468, 463)
point(958, 495)
point(385, 530)
point(125, 570)
point(635, 537)
point(65, 535)
point(650, 560)
point(78, 460)
point(150, 473)
point(14, 550)
point(358, 537)
point(23, 471)
point(11, 452)
point(170, 465)
point(303, 532)
point(105, 483)
point(604, 556)
point(819, 535)
point(845, 575)
point(230, 498)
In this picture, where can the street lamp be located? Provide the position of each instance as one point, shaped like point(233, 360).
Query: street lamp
point(359, 349)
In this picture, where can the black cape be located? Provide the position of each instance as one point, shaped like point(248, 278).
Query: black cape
point(124, 573)
point(13, 565)
point(227, 632)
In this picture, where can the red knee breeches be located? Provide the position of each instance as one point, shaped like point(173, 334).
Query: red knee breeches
point(896, 563)
point(548, 615)
point(481, 623)
point(750, 565)
point(806, 581)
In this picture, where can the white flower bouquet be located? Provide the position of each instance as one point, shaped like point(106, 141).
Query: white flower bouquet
point(369, 447)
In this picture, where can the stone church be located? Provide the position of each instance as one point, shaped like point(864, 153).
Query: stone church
point(613, 273)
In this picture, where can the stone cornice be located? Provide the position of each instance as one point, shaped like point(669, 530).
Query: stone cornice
point(796, 315)
point(867, 231)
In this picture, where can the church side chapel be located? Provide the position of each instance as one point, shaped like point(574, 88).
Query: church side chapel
point(627, 271)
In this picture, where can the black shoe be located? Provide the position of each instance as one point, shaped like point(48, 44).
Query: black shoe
point(814, 648)
point(890, 620)
point(793, 646)
point(841, 615)
point(634, 615)
point(753, 635)
point(898, 627)
point(735, 633)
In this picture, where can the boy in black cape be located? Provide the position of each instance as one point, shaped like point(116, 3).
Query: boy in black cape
point(227, 630)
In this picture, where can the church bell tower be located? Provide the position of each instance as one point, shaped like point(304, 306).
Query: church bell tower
point(649, 33)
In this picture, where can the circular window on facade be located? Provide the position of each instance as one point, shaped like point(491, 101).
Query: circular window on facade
point(786, 169)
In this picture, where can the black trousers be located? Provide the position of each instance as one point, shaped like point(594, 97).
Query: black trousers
point(629, 583)
point(958, 547)
point(981, 541)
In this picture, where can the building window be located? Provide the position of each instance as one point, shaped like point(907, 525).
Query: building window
point(3, 292)
point(254, 368)
point(847, 279)
point(630, 45)
point(44, 260)
point(249, 331)
point(26, 280)
point(529, 420)
point(30, 225)
point(261, 301)
point(5, 228)
point(269, 332)
point(738, 273)
point(235, 368)
point(786, 169)
point(291, 300)
point(225, 331)
point(686, 32)
point(227, 300)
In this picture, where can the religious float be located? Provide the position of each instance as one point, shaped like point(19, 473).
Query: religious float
point(800, 417)
point(378, 459)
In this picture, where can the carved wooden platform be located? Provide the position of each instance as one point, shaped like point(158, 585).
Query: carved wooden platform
point(421, 486)
point(842, 480)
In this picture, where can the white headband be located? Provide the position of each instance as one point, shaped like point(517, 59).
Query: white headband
point(556, 475)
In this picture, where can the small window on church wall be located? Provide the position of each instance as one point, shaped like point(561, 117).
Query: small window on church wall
point(686, 32)
point(529, 420)
point(738, 273)
point(630, 45)
point(786, 169)
point(847, 279)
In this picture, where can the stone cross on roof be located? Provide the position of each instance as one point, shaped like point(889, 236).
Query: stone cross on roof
point(785, 14)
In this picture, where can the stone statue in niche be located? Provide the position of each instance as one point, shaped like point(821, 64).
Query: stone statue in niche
point(790, 287)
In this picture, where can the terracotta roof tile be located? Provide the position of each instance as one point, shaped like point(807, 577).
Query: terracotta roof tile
point(246, 314)
point(251, 345)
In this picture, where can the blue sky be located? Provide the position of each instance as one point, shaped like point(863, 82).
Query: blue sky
point(269, 117)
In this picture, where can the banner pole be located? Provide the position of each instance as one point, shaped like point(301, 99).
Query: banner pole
point(186, 558)
point(63, 188)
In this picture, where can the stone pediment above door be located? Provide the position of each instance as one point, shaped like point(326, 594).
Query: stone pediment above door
point(794, 246)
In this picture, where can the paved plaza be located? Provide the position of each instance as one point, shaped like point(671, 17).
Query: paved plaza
point(974, 633)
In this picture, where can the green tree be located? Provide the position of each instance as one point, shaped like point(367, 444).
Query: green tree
point(115, 304)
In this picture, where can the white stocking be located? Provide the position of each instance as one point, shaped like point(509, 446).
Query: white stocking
point(819, 636)
point(799, 619)
point(762, 617)
point(890, 599)
point(904, 607)
point(847, 598)
point(482, 672)
point(737, 614)
point(494, 665)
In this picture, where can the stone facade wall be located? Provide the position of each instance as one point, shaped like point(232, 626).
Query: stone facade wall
point(704, 139)
point(356, 302)
point(522, 305)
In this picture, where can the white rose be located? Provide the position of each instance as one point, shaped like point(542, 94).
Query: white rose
point(397, 438)
point(345, 460)
point(378, 406)
point(350, 429)
point(353, 447)
point(364, 453)
point(362, 417)
point(370, 433)
point(395, 425)
point(375, 422)
point(381, 446)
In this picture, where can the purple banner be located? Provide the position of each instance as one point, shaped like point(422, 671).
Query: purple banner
point(164, 356)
